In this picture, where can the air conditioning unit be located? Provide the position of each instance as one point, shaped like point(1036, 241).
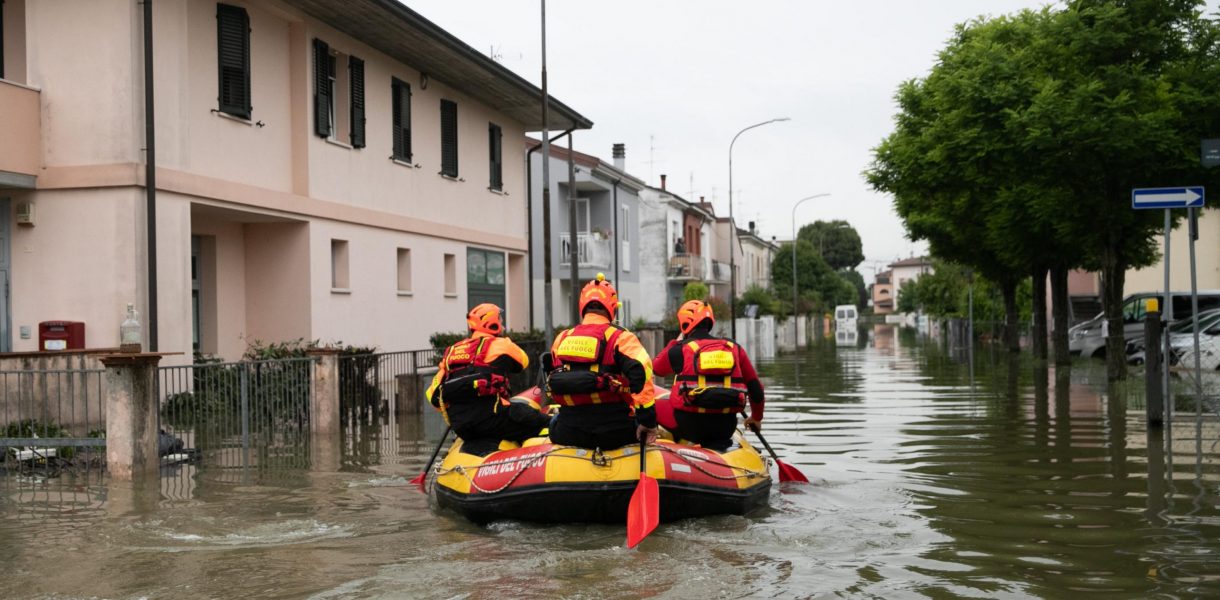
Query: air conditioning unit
point(25, 213)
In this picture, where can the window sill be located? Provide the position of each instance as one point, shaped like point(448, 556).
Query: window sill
point(338, 143)
point(451, 177)
point(498, 192)
point(405, 294)
point(404, 163)
point(451, 294)
point(235, 119)
point(345, 291)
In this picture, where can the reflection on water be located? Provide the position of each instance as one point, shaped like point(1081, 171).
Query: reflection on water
point(1015, 481)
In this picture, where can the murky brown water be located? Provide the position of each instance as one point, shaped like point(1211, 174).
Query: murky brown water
point(1019, 483)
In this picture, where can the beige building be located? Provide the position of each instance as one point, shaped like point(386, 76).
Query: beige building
point(325, 169)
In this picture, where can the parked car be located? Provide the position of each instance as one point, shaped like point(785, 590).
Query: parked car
point(845, 316)
point(1181, 335)
point(1087, 339)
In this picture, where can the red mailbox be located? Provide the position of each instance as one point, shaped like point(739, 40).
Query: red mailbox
point(61, 335)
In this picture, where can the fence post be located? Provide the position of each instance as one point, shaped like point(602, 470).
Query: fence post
point(131, 415)
point(324, 391)
point(1154, 402)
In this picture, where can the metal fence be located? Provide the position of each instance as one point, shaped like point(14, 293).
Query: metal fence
point(51, 419)
point(240, 414)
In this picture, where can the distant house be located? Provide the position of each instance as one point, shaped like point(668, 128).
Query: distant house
point(906, 271)
point(607, 237)
point(675, 249)
point(754, 264)
point(884, 299)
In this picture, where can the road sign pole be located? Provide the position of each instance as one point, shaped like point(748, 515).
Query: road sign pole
point(1167, 310)
point(1194, 307)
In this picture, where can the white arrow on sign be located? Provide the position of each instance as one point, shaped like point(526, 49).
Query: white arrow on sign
point(1188, 196)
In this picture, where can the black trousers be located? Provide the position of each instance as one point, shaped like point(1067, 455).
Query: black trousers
point(604, 426)
point(714, 431)
point(483, 419)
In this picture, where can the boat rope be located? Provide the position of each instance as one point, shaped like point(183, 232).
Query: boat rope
point(598, 459)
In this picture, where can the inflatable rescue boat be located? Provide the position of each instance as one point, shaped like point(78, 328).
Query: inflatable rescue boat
point(544, 482)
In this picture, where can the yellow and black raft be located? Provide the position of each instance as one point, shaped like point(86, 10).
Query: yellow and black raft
point(544, 482)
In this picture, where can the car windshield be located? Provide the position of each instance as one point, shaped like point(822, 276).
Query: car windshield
point(1206, 319)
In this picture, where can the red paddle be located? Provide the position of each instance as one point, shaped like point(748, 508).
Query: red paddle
point(644, 511)
point(787, 472)
point(419, 479)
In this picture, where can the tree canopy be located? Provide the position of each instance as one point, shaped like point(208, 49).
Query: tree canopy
point(837, 241)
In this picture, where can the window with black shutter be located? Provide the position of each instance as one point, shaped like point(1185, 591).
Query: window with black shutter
point(233, 45)
point(322, 88)
point(1, 39)
point(355, 68)
point(401, 97)
point(449, 138)
point(496, 162)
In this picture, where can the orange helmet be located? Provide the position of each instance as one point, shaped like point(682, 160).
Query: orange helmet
point(601, 292)
point(485, 318)
point(692, 313)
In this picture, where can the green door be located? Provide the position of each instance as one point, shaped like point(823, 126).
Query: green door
point(485, 278)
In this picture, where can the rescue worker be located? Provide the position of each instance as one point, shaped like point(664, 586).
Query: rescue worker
point(713, 378)
point(471, 385)
point(601, 377)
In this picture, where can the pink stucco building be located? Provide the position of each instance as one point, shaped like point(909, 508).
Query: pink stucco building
point(325, 169)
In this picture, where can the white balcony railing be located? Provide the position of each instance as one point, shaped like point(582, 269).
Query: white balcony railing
point(591, 250)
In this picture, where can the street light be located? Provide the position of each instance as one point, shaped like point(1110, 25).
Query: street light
point(733, 226)
point(795, 331)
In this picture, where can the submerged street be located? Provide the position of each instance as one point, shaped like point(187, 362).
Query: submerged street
point(927, 483)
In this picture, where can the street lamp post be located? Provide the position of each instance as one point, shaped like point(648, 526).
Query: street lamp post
point(733, 232)
point(795, 331)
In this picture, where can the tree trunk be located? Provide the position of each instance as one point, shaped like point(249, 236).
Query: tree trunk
point(1113, 276)
point(1037, 342)
point(1060, 304)
point(1012, 338)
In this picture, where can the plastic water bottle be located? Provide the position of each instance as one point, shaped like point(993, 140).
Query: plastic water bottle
point(130, 337)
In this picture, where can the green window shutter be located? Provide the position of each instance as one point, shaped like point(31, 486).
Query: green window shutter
point(401, 119)
point(496, 159)
point(321, 88)
point(233, 60)
point(356, 72)
point(449, 138)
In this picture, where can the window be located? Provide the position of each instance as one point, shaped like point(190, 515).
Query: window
point(496, 157)
point(450, 275)
point(233, 60)
point(401, 107)
point(449, 139)
point(484, 277)
point(338, 266)
point(1, 39)
point(338, 115)
point(404, 269)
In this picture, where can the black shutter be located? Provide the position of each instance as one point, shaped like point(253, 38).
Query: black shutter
point(401, 119)
point(494, 136)
point(321, 88)
point(449, 138)
point(1, 39)
point(233, 59)
point(356, 72)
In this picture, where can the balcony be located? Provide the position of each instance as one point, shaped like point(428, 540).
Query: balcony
point(686, 267)
point(21, 147)
point(721, 272)
point(592, 250)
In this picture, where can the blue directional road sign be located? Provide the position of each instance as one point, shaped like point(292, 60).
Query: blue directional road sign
point(1170, 197)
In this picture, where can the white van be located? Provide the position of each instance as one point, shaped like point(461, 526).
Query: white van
point(845, 316)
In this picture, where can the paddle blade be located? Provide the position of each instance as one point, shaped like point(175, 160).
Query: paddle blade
point(419, 481)
point(788, 472)
point(644, 511)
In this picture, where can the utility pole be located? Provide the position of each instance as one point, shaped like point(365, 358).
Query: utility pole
point(574, 253)
point(548, 318)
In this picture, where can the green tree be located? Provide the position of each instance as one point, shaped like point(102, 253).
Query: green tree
point(1017, 153)
point(857, 280)
point(694, 290)
point(837, 241)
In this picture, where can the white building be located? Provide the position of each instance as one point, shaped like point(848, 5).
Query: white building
point(675, 247)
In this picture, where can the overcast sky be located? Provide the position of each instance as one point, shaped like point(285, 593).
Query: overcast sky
point(675, 80)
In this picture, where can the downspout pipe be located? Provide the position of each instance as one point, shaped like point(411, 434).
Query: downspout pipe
point(617, 255)
point(150, 176)
point(529, 218)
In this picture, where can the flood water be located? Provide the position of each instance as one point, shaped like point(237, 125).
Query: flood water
point(1018, 482)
